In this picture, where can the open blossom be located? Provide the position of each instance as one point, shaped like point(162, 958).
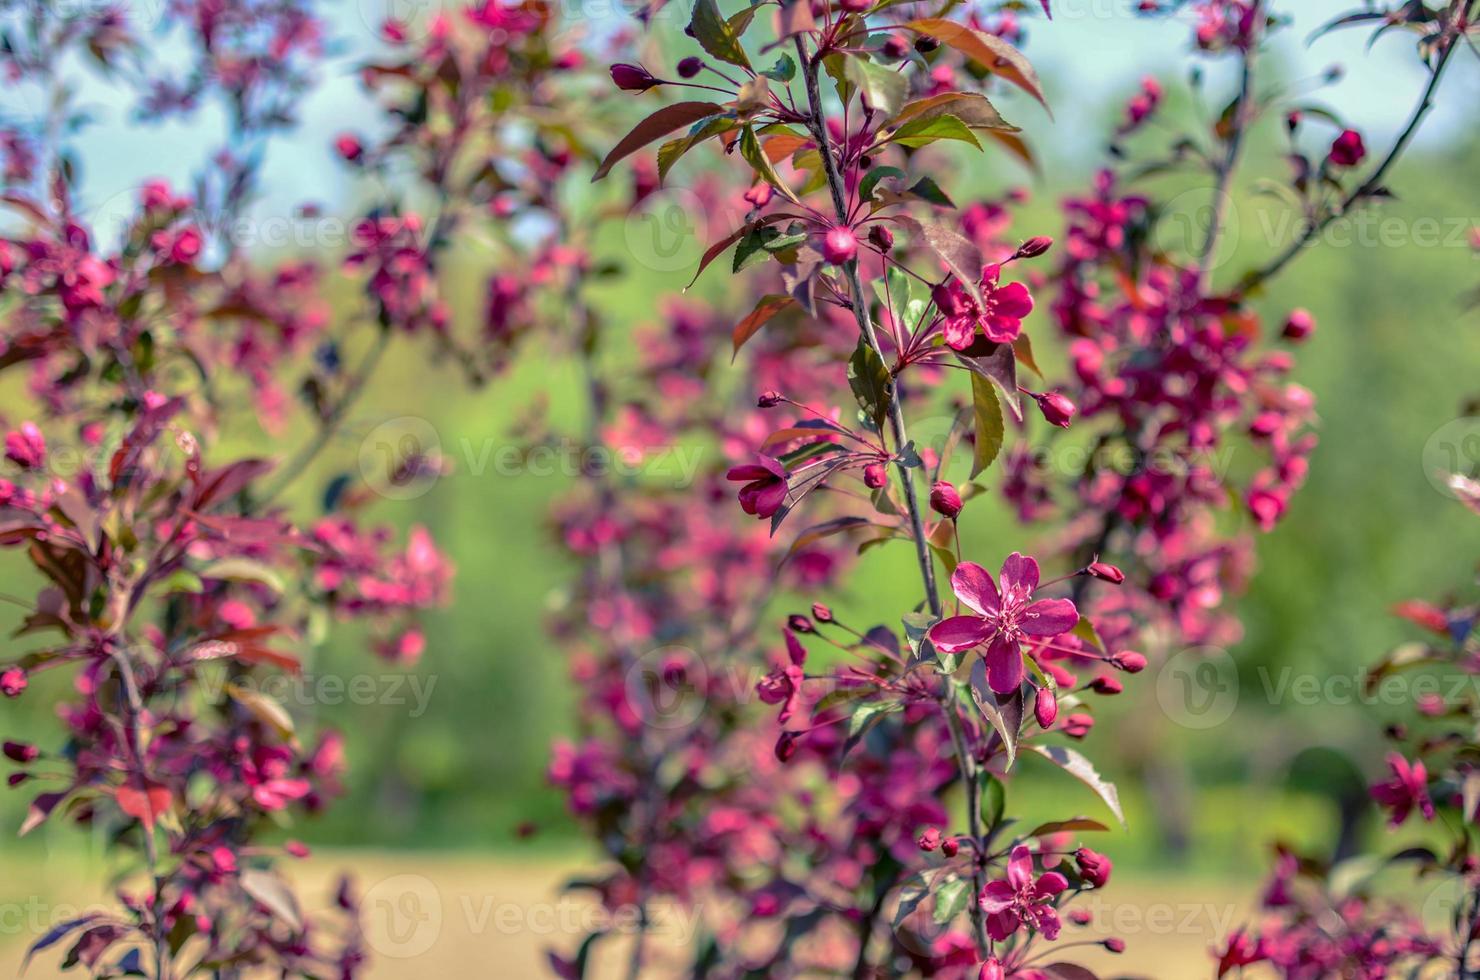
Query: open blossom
point(1002, 618)
point(1021, 899)
point(25, 446)
point(765, 485)
point(999, 314)
point(1408, 788)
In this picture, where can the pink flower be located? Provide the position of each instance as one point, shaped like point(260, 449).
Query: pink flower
point(26, 447)
point(1003, 618)
point(1408, 788)
point(13, 682)
point(1347, 150)
point(765, 485)
point(1020, 899)
point(1000, 313)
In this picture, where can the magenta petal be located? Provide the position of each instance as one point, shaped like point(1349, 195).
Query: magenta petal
point(769, 498)
point(996, 897)
point(1002, 924)
point(1002, 329)
point(747, 472)
point(959, 633)
point(1020, 868)
point(1050, 884)
point(1049, 617)
point(1019, 572)
point(1012, 300)
point(959, 331)
point(973, 585)
point(1048, 923)
point(1004, 660)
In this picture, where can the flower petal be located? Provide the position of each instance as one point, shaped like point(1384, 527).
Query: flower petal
point(960, 633)
point(1050, 884)
point(1019, 572)
point(1020, 868)
point(1049, 617)
point(973, 585)
point(1012, 300)
point(1004, 660)
point(997, 896)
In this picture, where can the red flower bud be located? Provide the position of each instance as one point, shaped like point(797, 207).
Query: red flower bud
point(1347, 150)
point(633, 78)
point(786, 746)
point(929, 839)
point(875, 476)
point(690, 66)
point(1045, 708)
point(950, 847)
point(991, 970)
point(945, 500)
point(1300, 325)
point(13, 682)
point(21, 752)
point(1057, 408)
point(1106, 572)
point(881, 237)
point(348, 146)
point(1033, 247)
point(1093, 867)
point(839, 245)
point(1078, 726)
point(1129, 661)
point(758, 196)
point(769, 399)
point(821, 613)
point(1115, 944)
point(798, 623)
point(855, 6)
point(1106, 685)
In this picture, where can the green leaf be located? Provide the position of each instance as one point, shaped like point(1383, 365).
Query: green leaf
point(883, 88)
point(753, 154)
point(753, 247)
point(950, 900)
point(243, 570)
point(784, 70)
point(670, 152)
point(928, 190)
point(871, 180)
point(866, 716)
point(1085, 630)
point(1083, 770)
point(659, 124)
point(870, 381)
point(990, 431)
point(922, 131)
point(994, 800)
point(716, 35)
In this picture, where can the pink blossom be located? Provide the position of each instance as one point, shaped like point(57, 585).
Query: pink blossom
point(1019, 899)
point(999, 314)
point(1003, 619)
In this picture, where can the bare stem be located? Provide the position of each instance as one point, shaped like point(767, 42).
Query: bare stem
point(1243, 116)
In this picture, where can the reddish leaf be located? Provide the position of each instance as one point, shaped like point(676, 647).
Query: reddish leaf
point(144, 800)
point(659, 124)
point(767, 308)
point(987, 50)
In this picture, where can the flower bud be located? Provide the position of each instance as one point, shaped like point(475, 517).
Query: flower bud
point(16, 778)
point(633, 78)
point(1056, 408)
point(690, 66)
point(1093, 867)
point(950, 847)
point(925, 45)
point(1106, 572)
point(1129, 661)
point(769, 399)
point(991, 970)
point(348, 146)
point(1347, 150)
point(21, 752)
point(1115, 944)
point(25, 447)
point(929, 839)
point(1299, 325)
point(1106, 686)
point(1045, 708)
point(874, 476)
point(786, 746)
point(821, 613)
point(839, 245)
point(855, 6)
point(798, 623)
point(1033, 247)
point(13, 682)
point(1078, 726)
point(881, 237)
point(945, 500)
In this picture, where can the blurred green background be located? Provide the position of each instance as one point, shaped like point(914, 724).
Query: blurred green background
point(1390, 364)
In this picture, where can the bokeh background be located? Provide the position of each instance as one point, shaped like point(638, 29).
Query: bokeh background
point(448, 818)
